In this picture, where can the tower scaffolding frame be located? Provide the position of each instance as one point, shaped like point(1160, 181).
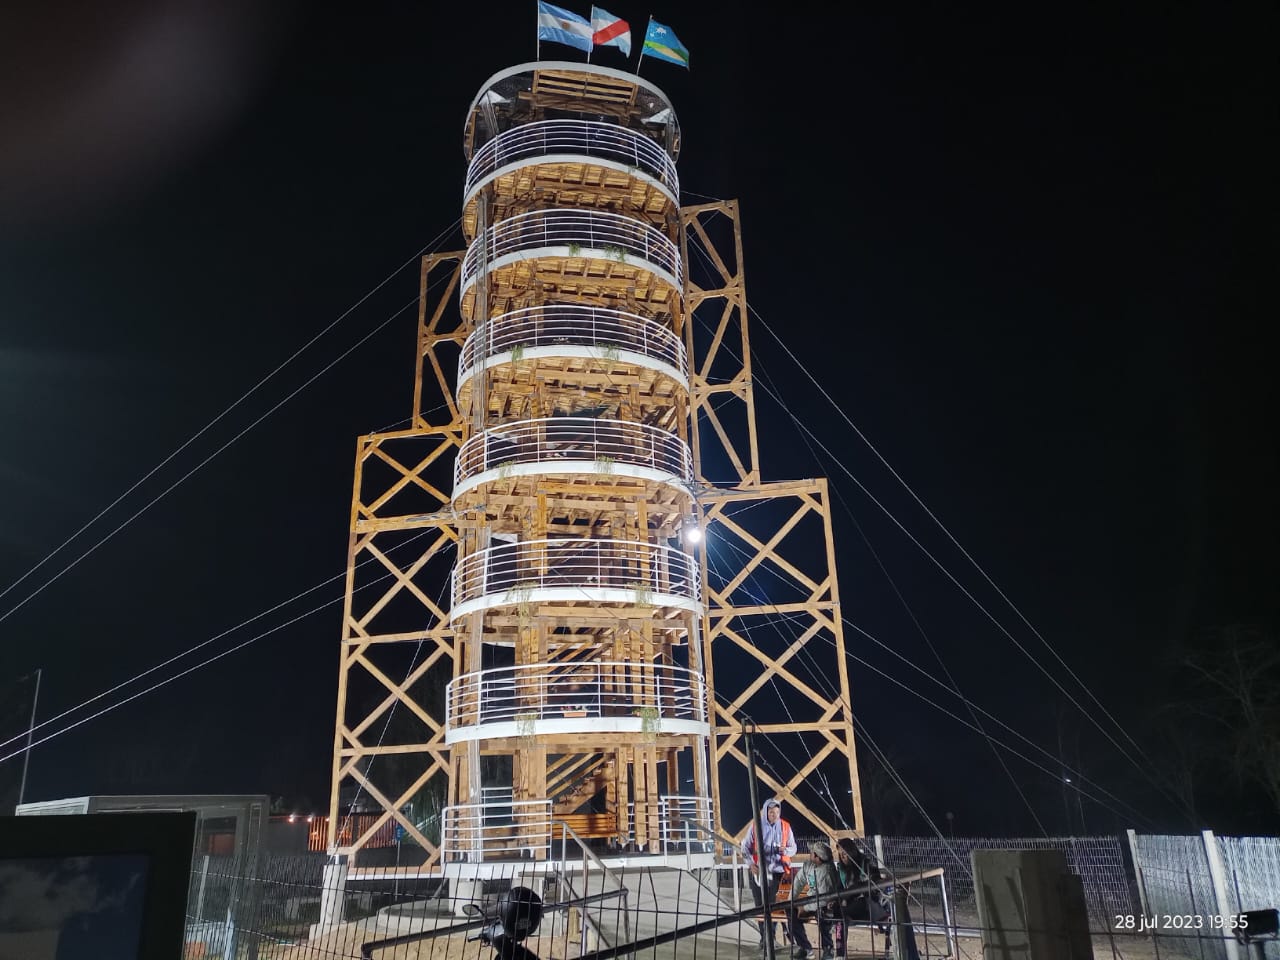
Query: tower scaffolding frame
point(391, 741)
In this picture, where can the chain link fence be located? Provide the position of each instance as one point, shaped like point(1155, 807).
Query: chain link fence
point(1099, 862)
point(1191, 912)
point(270, 904)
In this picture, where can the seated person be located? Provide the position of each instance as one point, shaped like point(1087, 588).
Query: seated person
point(859, 875)
point(817, 876)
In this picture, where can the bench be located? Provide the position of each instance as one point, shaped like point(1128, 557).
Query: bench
point(590, 825)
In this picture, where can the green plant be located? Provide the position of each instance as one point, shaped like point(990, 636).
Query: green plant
point(505, 469)
point(527, 724)
point(517, 353)
point(650, 723)
point(575, 249)
point(611, 351)
point(644, 595)
point(604, 466)
point(614, 252)
point(522, 596)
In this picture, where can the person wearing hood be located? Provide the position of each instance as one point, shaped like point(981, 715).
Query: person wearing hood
point(777, 842)
point(815, 878)
point(862, 880)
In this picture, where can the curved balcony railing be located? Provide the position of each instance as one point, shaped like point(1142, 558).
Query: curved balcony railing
point(501, 828)
point(606, 236)
point(572, 445)
point(573, 570)
point(559, 329)
point(572, 140)
point(605, 697)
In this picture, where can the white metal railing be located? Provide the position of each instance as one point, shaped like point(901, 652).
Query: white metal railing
point(545, 691)
point(561, 325)
point(684, 824)
point(605, 141)
point(605, 235)
point(500, 828)
point(599, 446)
point(511, 573)
point(681, 817)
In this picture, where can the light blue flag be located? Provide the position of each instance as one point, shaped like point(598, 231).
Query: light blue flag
point(558, 25)
point(661, 43)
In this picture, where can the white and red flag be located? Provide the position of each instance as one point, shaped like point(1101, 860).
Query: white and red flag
point(610, 31)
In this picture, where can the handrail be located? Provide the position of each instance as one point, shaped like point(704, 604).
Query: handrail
point(592, 442)
point(608, 688)
point(465, 828)
point(590, 138)
point(512, 572)
point(604, 235)
point(611, 332)
point(589, 854)
point(367, 948)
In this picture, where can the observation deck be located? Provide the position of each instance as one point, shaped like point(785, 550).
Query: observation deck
point(570, 447)
point(572, 572)
point(503, 829)
point(579, 345)
point(574, 252)
point(527, 92)
point(578, 163)
point(626, 699)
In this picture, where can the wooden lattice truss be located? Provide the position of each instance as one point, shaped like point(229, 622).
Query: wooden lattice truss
point(724, 430)
point(397, 648)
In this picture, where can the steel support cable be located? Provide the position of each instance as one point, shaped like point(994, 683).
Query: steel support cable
point(1133, 812)
point(920, 628)
point(901, 784)
point(764, 740)
point(914, 496)
point(1061, 689)
point(819, 679)
point(825, 686)
point(778, 399)
point(183, 673)
point(773, 679)
point(199, 433)
point(204, 643)
point(1126, 754)
point(182, 479)
point(805, 657)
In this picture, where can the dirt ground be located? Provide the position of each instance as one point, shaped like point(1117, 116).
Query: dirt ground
point(344, 942)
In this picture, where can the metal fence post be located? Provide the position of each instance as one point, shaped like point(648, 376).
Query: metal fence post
point(1219, 876)
point(204, 877)
point(1137, 872)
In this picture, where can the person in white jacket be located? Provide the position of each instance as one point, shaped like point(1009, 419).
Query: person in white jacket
point(777, 842)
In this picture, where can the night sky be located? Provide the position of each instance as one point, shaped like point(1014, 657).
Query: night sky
point(1030, 252)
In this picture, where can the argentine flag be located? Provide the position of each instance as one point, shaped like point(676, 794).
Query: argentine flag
point(558, 25)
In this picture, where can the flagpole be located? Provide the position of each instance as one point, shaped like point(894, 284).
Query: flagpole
point(537, 30)
point(640, 56)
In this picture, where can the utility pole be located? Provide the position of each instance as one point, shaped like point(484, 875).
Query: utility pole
point(762, 876)
point(31, 730)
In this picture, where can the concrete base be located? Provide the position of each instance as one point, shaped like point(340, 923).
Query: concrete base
point(1030, 906)
point(333, 898)
point(463, 892)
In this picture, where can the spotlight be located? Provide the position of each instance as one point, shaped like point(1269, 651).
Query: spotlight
point(690, 532)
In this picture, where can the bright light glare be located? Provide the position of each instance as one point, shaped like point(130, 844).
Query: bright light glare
point(693, 534)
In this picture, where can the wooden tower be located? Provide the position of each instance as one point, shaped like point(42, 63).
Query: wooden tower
point(563, 485)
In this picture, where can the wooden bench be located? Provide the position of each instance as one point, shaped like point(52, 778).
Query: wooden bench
point(590, 825)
